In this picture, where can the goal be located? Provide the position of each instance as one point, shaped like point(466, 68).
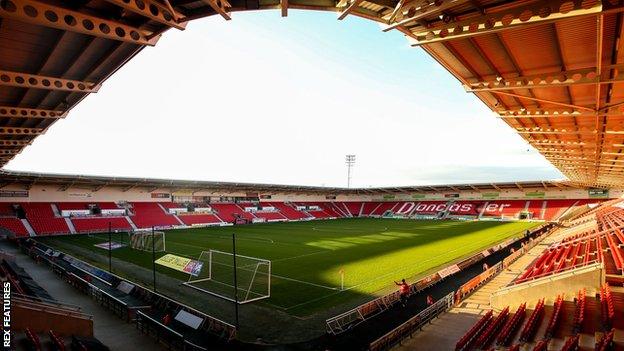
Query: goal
point(148, 241)
point(253, 277)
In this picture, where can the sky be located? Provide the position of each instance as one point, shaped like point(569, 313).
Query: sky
point(268, 99)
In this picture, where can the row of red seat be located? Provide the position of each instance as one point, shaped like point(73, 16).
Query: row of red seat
point(16, 285)
point(466, 341)
point(66, 206)
point(270, 216)
point(287, 210)
point(100, 224)
point(14, 225)
point(579, 311)
point(483, 331)
point(147, 214)
point(530, 328)
point(560, 258)
point(607, 306)
point(150, 214)
point(228, 212)
point(606, 341)
point(555, 318)
point(33, 340)
point(57, 341)
point(604, 243)
point(43, 220)
point(490, 332)
point(497, 208)
point(572, 343)
point(190, 219)
point(541, 345)
point(508, 331)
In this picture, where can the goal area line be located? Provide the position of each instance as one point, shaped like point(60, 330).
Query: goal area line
point(222, 296)
point(255, 271)
point(277, 276)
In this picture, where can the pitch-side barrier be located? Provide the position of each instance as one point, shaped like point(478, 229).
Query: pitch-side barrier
point(415, 324)
point(109, 290)
point(350, 319)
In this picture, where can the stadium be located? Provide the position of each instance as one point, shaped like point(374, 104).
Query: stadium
point(105, 262)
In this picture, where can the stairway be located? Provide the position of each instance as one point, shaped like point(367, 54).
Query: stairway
point(29, 229)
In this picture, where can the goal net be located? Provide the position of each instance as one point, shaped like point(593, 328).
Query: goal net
point(253, 277)
point(146, 241)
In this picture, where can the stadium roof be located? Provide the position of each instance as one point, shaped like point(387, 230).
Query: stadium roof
point(95, 183)
point(549, 68)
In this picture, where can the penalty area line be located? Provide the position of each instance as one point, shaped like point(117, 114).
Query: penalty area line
point(285, 278)
point(299, 256)
point(334, 229)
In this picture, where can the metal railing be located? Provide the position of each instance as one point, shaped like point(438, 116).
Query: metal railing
point(350, 319)
point(216, 326)
point(416, 323)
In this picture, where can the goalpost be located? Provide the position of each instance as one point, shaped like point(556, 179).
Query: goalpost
point(253, 276)
point(146, 241)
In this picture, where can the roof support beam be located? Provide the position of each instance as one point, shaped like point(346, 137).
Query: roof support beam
point(25, 80)
point(219, 7)
point(543, 100)
point(153, 10)
point(43, 14)
point(284, 7)
point(18, 112)
point(588, 76)
point(561, 143)
point(548, 150)
point(425, 10)
point(545, 11)
point(395, 12)
point(20, 131)
point(559, 115)
point(14, 142)
point(352, 6)
point(571, 132)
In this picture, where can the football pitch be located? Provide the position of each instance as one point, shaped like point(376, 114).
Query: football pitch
point(317, 265)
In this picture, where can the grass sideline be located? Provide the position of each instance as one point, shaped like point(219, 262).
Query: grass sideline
point(308, 256)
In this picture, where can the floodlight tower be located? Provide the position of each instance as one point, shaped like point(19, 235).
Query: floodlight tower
point(350, 161)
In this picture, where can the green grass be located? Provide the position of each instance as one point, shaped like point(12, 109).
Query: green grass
point(308, 256)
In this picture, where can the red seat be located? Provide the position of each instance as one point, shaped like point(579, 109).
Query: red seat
point(150, 214)
point(13, 225)
point(270, 216)
point(190, 219)
point(43, 220)
point(506, 208)
point(508, 330)
point(530, 328)
point(99, 224)
point(288, 211)
point(228, 211)
point(467, 339)
point(353, 208)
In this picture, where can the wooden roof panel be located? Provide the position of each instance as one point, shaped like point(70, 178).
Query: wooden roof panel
point(577, 44)
point(523, 58)
point(531, 50)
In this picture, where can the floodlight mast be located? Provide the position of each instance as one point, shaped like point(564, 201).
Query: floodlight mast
point(350, 161)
